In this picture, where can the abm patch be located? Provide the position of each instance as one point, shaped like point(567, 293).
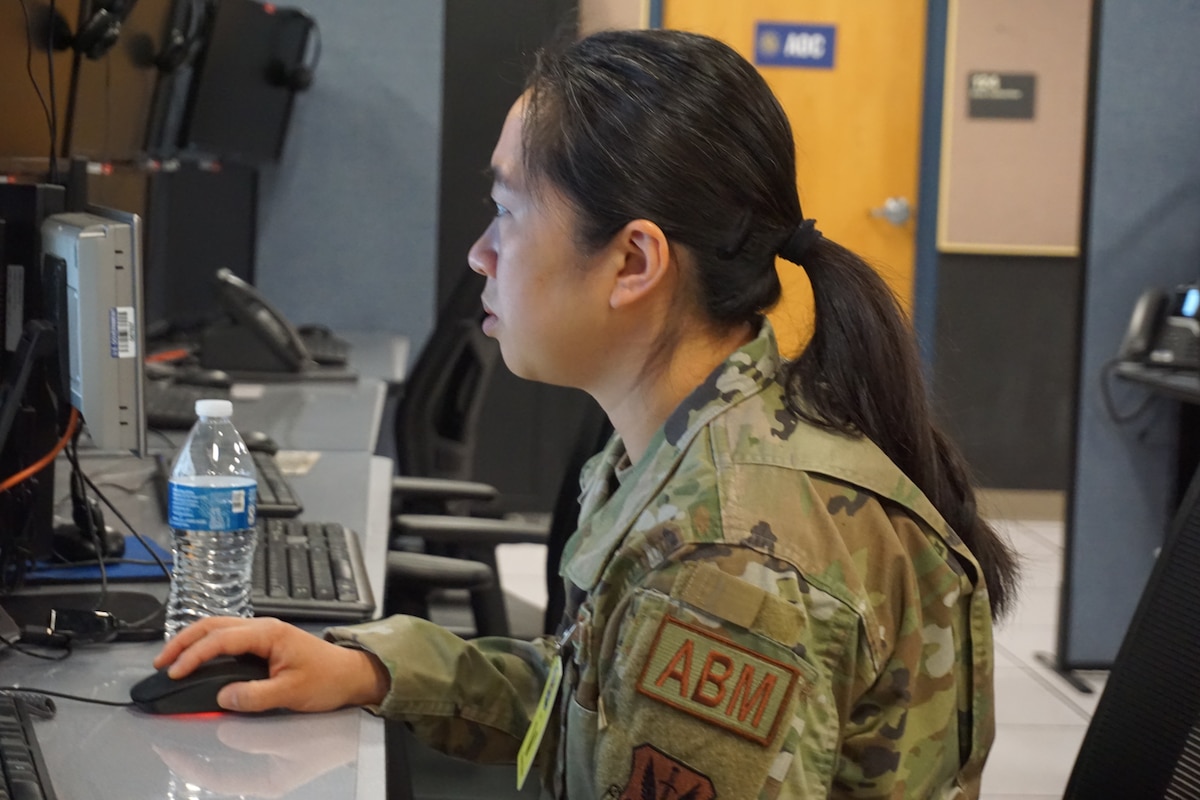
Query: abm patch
point(717, 680)
point(654, 775)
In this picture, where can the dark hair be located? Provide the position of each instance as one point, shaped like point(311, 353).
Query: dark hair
point(679, 129)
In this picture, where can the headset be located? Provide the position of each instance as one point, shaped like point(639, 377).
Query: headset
point(100, 31)
point(297, 77)
point(184, 40)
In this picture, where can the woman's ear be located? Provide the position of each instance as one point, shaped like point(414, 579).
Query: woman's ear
point(643, 262)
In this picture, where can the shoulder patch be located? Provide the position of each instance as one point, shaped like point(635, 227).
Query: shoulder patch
point(717, 680)
point(654, 775)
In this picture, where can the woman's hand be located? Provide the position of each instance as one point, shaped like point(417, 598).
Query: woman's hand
point(307, 673)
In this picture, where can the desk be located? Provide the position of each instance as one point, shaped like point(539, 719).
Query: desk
point(310, 416)
point(1178, 384)
point(378, 355)
point(118, 753)
point(1184, 386)
point(329, 416)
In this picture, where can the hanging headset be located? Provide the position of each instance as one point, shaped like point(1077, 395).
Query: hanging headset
point(100, 31)
point(183, 42)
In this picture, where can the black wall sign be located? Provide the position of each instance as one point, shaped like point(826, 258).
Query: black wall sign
point(1001, 95)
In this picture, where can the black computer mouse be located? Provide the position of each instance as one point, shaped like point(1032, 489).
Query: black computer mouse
point(197, 692)
point(257, 440)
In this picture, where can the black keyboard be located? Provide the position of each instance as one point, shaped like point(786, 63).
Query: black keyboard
point(23, 774)
point(310, 571)
point(171, 406)
point(276, 498)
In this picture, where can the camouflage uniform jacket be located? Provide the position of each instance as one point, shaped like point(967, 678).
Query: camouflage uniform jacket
point(762, 609)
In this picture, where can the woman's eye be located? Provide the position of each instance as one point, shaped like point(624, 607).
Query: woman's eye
point(499, 210)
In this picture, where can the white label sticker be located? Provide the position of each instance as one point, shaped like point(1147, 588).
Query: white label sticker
point(122, 332)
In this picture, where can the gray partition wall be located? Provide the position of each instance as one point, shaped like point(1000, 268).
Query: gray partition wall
point(1141, 229)
point(348, 218)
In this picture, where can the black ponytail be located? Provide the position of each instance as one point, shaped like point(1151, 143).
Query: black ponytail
point(861, 374)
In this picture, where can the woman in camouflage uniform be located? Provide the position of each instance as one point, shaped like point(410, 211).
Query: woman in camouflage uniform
point(780, 586)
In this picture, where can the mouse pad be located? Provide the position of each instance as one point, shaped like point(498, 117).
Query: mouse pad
point(136, 565)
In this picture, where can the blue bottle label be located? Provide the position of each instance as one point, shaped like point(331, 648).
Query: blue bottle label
point(211, 508)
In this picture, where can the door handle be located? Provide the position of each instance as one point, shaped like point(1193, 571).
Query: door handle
point(896, 210)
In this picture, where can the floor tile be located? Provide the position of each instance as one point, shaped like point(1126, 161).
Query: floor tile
point(1036, 605)
point(1023, 698)
point(523, 571)
point(1031, 759)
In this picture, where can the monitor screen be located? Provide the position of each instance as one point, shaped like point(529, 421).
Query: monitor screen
point(240, 102)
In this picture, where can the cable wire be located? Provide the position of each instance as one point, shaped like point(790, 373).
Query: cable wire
point(53, 98)
point(15, 647)
point(1110, 405)
point(29, 70)
point(65, 696)
point(46, 460)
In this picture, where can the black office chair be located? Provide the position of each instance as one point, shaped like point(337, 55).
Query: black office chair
point(1144, 739)
point(436, 545)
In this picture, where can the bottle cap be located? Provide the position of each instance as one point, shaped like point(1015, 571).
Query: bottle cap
point(214, 408)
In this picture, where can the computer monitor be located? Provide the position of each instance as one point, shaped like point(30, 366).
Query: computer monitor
point(32, 416)
point(242, 90)
point(95, 261)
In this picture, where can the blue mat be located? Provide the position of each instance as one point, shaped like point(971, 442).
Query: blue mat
point(116, 570)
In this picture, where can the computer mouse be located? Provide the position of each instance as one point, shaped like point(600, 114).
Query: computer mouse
point(257, 440)
point(197, 692)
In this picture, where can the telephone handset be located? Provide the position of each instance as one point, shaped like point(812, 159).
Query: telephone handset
point(260, 339)
point(1144, 326)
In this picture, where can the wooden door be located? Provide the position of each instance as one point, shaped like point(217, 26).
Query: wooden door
point(857, 123)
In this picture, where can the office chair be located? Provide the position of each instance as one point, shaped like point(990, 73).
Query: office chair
point(1144, 739)
point(436, 424)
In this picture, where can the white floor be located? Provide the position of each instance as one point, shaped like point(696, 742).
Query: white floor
point(1040, 718)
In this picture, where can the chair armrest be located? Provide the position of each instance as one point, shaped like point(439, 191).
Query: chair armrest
point(469, 530)
point(443, 488)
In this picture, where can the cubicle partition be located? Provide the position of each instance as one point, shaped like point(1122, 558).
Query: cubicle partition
point(1141, 229)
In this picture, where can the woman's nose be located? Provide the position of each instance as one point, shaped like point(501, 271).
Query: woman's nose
point(482, 256)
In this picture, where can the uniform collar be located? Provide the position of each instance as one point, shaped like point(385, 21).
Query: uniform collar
point(607, 515)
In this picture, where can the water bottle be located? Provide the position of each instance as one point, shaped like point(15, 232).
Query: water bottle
point(211, 503)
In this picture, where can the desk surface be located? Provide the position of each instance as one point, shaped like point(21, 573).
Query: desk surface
point(103, 753)
point(1179, 384)
point(312, 416)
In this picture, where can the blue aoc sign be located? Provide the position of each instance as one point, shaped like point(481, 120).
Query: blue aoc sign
point(810, 46)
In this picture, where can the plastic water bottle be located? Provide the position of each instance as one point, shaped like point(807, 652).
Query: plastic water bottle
point(211, 504)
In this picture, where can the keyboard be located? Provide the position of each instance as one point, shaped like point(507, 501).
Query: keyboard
point(276, 498)
point(310, 571)
point(171, 406)
point(23, 773)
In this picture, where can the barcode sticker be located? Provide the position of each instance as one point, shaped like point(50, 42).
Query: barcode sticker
point(122, 332)
point(239, 501)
